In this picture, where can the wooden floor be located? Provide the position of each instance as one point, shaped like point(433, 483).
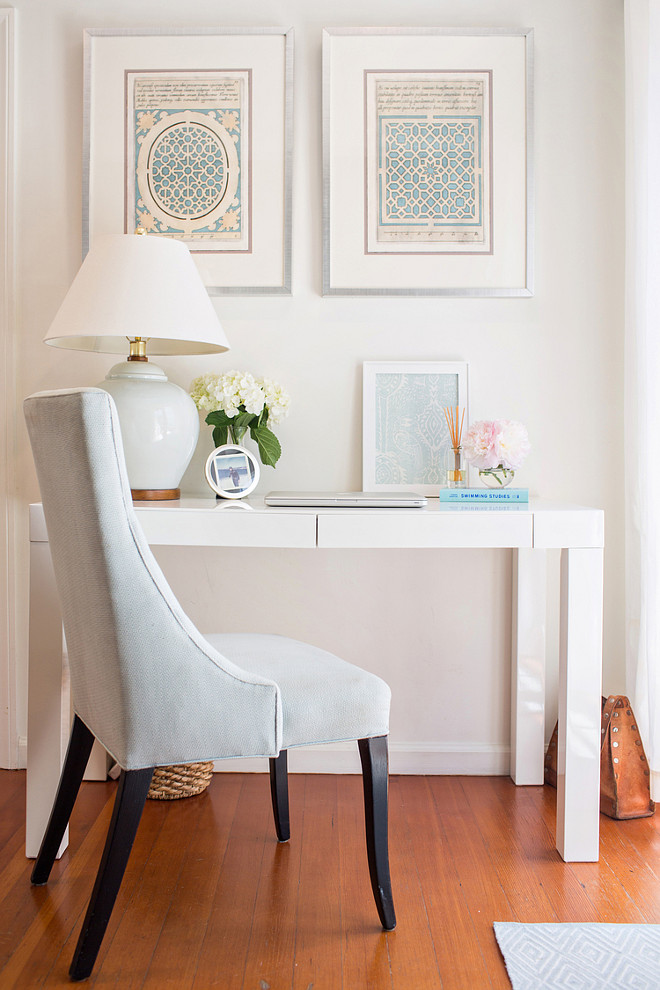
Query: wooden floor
point(210, 899)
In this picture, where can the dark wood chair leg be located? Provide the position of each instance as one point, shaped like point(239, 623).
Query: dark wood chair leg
point(129, 802)
point(279, 792)
point(373, 755)
point(77, 754)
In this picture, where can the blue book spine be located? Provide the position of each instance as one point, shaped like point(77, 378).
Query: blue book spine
point(490, 495)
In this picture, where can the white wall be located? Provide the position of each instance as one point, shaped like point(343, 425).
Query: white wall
point(435, 625)
point(8, 733)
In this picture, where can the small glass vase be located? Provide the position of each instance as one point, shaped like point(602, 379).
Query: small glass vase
point(235, 434)
point(497, 477)
point(456, 473)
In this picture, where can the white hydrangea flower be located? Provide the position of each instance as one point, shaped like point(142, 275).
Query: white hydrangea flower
point(238, 391)
point(202, 391)
point(252, 394)
point(277, 400)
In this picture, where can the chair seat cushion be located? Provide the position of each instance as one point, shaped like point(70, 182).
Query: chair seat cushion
point(324, 699)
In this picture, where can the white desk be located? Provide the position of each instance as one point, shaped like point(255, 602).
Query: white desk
point(529, 531)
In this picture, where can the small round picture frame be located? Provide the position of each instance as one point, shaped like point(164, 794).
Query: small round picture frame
point(232, 471)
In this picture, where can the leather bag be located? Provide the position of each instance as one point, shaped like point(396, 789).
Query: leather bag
point(624, 770)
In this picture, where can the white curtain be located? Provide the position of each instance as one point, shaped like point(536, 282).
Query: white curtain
point(642, 373)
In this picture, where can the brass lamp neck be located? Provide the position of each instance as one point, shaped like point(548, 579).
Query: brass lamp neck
point(138, 349)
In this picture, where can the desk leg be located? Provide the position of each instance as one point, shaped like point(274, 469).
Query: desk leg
point(47, 722)
point(580, 665)
point(528, 666)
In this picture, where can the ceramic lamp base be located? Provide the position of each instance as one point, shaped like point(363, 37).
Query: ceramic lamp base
point(159, 427)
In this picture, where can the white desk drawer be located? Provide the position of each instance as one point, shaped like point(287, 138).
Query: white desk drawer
point(232, 527)
point(418, 528)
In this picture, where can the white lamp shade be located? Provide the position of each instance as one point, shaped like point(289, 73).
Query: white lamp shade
point(136, 285)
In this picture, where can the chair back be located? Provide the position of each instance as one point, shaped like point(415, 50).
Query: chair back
point(144, 680)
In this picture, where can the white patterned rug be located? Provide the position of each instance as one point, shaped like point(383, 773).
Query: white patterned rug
point(580, 957)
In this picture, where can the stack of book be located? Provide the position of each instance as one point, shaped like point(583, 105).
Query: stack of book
point(489, 496)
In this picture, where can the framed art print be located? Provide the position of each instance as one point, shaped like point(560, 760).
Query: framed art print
point(405, 437)
point(427, 161)
point(187, 134)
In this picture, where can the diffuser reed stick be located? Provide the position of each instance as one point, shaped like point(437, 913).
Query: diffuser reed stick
point(455, 431)
point(456, 473)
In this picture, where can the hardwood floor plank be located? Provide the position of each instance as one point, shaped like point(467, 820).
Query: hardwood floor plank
point(485, 898)
point(210, 900)
point(175, 959)
point(12, 806)
point(153, 820)
point(494, 812)
point(460, 961)
point(12, 786)
point(271, 952)
point(631, 851)
point(130, 947)
point(53, 911)
point(148, 832)
point(76, 871)
point(317, 950)
point(226, 941)
point(567, 898)
point(11, 843)
point(640, 834)
point(364, 946)
point(12, 820)
point(604, 886)
point(412, 950)
point(16, 905)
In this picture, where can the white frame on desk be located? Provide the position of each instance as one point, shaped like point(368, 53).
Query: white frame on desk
point(412, 430)
point(529, 532)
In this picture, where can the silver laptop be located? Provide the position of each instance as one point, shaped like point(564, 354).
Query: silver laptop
point(381, 500)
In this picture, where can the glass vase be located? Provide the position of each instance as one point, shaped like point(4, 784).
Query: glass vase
point(456, 473)
point(497, 477)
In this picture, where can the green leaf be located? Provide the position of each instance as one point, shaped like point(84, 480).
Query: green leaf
point(269, 446)
point(263, 417)
point(242, 420)
point(220, 435)
point(218, 418)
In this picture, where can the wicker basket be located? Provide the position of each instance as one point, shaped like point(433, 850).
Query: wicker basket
point(186, 780)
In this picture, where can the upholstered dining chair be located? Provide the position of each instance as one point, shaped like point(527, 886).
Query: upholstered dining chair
point(150, 687)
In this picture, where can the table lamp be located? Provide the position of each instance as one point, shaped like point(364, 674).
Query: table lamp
point(143, 289)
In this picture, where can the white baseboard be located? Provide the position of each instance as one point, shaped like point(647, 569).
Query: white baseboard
point(449, 758)
point(405, 758)
point(22, 752)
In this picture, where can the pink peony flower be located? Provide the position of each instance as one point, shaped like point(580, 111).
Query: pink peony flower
point(480, 444)
point(513, 443)
point(491, 443)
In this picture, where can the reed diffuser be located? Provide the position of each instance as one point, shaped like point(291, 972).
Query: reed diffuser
point(456, 468)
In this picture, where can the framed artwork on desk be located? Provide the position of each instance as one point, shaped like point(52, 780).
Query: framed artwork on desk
point(427, 158)
point(187, 133)
point(405, 435)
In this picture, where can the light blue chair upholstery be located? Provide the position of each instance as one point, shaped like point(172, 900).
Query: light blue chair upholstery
point(149, 686)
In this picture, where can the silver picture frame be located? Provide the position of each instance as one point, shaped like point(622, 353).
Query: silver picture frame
point(372, 76)
point(236, 86)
